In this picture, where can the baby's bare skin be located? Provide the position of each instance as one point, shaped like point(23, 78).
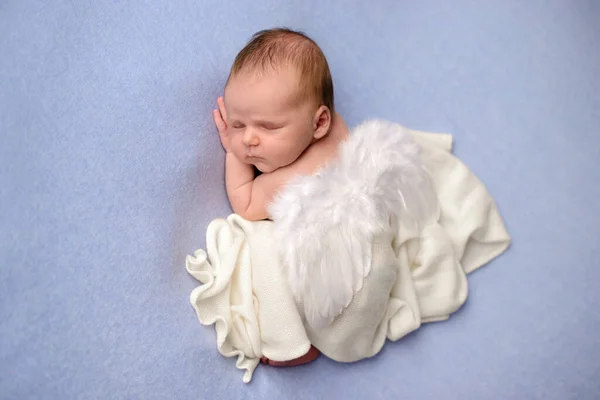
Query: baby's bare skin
point(262, 124)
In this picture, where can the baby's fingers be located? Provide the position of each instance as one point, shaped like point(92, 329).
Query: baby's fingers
point(222, 110)
point(221, 126)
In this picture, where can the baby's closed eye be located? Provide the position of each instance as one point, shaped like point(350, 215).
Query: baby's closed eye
point(271, 126)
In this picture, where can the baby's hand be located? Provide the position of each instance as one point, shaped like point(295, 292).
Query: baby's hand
point(220, 117)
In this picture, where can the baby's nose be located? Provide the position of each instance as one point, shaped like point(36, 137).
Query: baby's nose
point(250, 138)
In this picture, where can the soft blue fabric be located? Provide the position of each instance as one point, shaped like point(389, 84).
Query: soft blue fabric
point(111, 169)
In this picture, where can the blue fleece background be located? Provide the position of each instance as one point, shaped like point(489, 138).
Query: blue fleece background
point(111, 169)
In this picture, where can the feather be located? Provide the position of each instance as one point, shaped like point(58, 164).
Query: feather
point(325, 224)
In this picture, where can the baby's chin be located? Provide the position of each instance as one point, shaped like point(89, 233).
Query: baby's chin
point(264, 168)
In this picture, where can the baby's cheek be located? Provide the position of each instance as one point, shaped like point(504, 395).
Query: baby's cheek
point(238, 151)
point(284, 158)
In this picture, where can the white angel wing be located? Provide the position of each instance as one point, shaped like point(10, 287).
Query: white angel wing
point(325, 224)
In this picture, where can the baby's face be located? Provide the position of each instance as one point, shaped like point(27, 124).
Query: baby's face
point(269, 126)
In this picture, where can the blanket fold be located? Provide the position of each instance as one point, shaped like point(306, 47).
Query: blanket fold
point(410, 267)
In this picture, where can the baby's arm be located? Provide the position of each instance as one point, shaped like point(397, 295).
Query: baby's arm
point(246, 194)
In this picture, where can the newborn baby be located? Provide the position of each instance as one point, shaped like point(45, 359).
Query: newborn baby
point(369, 240)
point(277, 115)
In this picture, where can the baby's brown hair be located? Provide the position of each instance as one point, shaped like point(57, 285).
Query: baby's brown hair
point(273, 48)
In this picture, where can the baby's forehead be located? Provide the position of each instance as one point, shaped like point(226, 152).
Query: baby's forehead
point(280, 83)
point(263, 93)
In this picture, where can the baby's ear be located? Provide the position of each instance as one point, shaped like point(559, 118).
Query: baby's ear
point(321, 122)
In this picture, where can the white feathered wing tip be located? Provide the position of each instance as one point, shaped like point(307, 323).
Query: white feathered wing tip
point(324, 224)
